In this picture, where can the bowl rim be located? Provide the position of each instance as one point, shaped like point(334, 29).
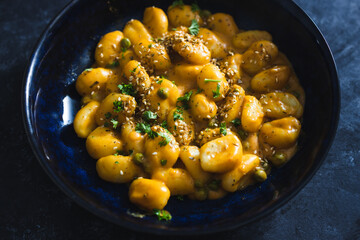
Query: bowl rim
point(298, 13)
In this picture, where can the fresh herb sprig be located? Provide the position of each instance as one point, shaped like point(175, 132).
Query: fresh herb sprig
point(223, 130)
point(185, 99)
point(194, 27)
point(118, 106)
point(162, 215)
point(211, 80)
point(149, 115)
point(217, 92)
point(127, 89)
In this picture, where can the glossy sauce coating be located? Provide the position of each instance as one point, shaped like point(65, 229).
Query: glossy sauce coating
point(186, 103)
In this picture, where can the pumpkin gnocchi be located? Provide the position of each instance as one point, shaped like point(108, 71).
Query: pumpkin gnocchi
point(186, 103)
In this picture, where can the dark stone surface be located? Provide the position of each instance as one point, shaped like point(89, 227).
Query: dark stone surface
point(32, 207)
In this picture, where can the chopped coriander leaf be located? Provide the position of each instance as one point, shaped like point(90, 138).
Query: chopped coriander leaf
point(211, 80)
point(164, 124)
point(123, 50)
point(145, 128)
point(134, 70)
point(150, 45)
point(199, 90)
point(180, 197)
point(162, 214)
point(165, 139)
point(115, 123)
point(194, 27)
point(174, 29)
point(178, 114)
point(152, 134)
point(195, 7)
point(108, 115)
point(173, 82)
point(127, 89)
point(113, 64)
point(236, 122)
point(118, 106)
point(185, 98)
point(142, 128)
point(159, 81)
point(163, 162)
point(217, 92)
point(149, 115)
point(116, 162)
point(223, 128)
point(88, 69)
point(177, 3)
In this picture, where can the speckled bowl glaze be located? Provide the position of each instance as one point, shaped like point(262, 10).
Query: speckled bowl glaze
point(50, 103)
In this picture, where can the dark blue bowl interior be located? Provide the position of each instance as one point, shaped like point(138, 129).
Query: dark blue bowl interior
point(50, 103)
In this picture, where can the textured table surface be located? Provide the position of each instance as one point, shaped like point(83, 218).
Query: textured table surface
point(32, 207)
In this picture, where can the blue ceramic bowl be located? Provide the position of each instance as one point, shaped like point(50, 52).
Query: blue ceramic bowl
point(50, 103)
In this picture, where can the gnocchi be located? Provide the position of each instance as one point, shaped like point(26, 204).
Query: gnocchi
point(186, 103)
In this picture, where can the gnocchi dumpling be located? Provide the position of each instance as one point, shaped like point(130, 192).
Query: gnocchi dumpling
point(149, 194)
point(221, 155)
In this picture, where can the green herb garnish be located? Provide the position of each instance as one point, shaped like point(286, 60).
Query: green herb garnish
point(145, 128)
point(163, 162)
point(223, 128)
point(165, 138)
point(127, 89)
point(115, 123)
point(149, 115)
point(211, 80)
point(178, 114)
point(162, 214)
point(217, 92)
point(118, 106)
point(116, 162)
point(133, 71)
point(164, 124)
point(236, 122)
point(194, 27)
point(185, 99)
point(108, 115)
point(142, 128)
point(88, 69)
